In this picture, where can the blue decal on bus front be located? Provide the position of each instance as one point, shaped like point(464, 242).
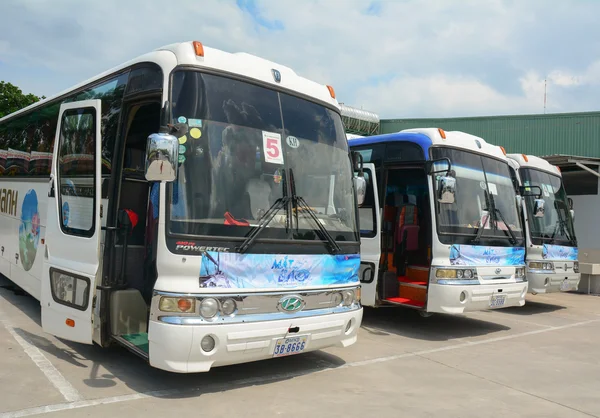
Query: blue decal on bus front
point(559, 252)
point(479, 255)
point(262, 271)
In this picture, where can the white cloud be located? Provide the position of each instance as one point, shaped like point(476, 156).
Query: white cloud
point(438, 95)
point(416, 57)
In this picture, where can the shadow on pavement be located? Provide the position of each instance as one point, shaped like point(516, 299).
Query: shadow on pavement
point(408, 323)
point(109, 366)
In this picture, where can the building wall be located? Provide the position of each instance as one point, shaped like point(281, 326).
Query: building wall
point(542, 135)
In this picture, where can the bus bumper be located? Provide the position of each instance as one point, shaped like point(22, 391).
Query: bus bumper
point(552, 282)
point(176, 348)
point(457, 299)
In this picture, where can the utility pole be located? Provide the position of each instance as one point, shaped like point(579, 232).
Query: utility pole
point(545, 84)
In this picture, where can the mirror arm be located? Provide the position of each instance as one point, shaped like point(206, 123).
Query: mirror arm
point(165, 118)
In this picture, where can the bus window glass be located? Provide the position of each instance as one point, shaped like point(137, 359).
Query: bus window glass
point(482, 184)
point(236, 158)
point(556, 225)
point(76, 171)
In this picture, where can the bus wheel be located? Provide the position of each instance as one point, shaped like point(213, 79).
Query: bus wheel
point(425, 314)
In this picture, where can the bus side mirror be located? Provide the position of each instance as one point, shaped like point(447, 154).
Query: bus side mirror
point(162, 155)
point(572, 214)
point(360, 185)
point(570, 203)
point(539, 208)
point(447, 189)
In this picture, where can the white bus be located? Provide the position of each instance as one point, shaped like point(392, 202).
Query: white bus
point(196, 206)
point(552, 256)
point(440, 226)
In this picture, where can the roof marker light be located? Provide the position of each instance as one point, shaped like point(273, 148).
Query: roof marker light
point(558, 168)
point(442, 133)
point(331, 92)
point(198, 48)
point(503, 150)
point(525, 158)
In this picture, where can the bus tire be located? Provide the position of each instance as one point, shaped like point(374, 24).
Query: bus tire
point(425, 314)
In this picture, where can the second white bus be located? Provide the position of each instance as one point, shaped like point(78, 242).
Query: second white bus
point(440, 226)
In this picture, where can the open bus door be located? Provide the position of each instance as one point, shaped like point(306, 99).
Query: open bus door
point(72, 241)
point(370, 238)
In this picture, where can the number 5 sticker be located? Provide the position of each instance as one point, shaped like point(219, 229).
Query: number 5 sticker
point(272, 147)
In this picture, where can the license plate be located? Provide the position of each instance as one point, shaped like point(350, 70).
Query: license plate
point(565, 286)
point(497, 301)
point(289, 346)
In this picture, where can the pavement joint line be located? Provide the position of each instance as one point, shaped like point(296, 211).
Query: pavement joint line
point(41, 361)
point(262, 379)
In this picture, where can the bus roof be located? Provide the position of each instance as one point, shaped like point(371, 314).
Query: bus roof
point(428, 137)
point(531, 161)
point(240, 63)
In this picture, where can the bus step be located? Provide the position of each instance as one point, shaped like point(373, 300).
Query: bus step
point(406, 302)
point(409, 282)
point(136, 343)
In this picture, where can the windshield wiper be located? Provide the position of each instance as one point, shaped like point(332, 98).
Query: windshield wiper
point(298, 201)
point(562, 224)
point(482, 227)
point(513, 237)
point(262, 224)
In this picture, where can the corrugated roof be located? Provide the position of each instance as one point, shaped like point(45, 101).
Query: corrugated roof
point(542, 135)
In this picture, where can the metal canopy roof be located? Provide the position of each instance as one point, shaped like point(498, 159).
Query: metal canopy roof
point(358, 121)
point(573, 161)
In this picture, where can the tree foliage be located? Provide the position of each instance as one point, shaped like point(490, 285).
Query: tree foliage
point(13, 99)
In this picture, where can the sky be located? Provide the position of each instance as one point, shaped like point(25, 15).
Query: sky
point(397, 58)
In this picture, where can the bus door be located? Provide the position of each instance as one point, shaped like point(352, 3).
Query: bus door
point(370, 238)
point(72, 241)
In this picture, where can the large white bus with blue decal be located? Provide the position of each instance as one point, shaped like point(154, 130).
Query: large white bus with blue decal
point(440, 226)
point(552, 256)
point(195, 206)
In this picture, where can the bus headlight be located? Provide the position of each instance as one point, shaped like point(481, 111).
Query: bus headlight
point(540, 265)
point(459, 274)
point(184, 305)
point(576, 266)
point(209, 307)
point(348, 297)
point(228, 307)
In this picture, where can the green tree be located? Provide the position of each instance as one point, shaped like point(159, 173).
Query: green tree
point(13, 99)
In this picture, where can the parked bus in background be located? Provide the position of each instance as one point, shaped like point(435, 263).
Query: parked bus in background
point(196, 206)
point(440, 226)
point(551, 244)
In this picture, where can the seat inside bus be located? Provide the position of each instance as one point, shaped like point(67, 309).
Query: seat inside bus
point(407, 236)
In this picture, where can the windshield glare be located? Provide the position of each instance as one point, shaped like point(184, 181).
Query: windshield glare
point(242, 144)
point(482, 183)
point(557, 224)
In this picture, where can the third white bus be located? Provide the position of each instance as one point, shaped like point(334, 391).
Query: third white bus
point(552, 255)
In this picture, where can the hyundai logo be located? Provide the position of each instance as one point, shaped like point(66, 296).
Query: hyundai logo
point(498, 270)
point(290, 304)
point(276, 75)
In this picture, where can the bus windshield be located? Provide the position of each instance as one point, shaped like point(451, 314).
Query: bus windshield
point(246, 148)
point(485, 198)
point(557, 224)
